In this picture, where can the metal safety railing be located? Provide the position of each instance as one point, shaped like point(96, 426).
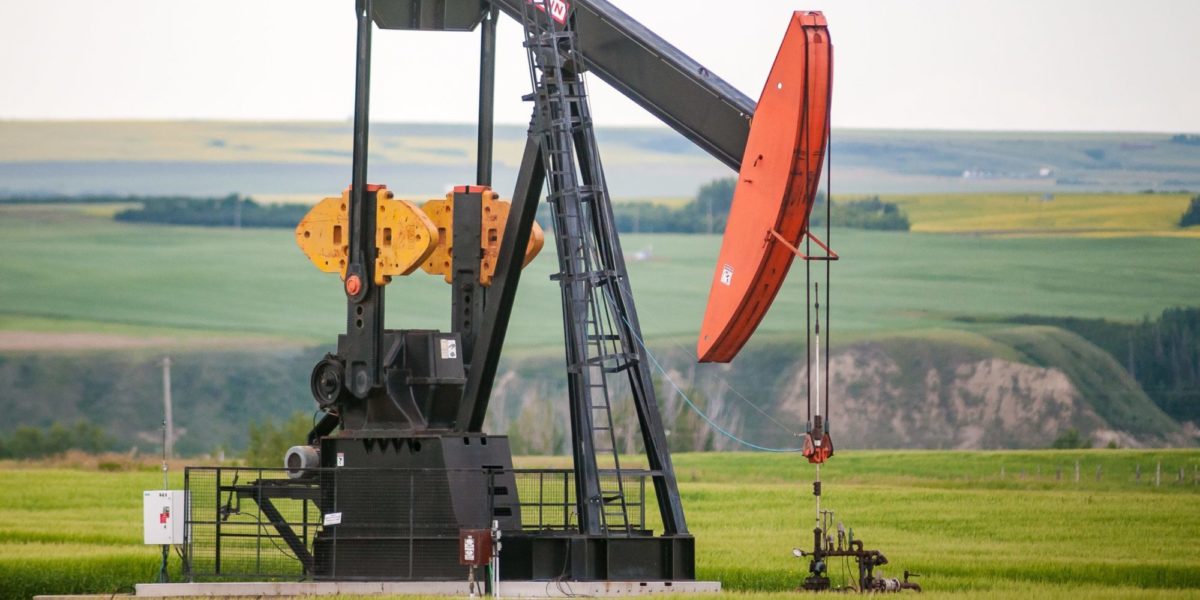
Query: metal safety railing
point(346, 523)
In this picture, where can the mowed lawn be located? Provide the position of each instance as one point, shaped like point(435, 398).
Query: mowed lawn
point(970, 530)
point(66, 269)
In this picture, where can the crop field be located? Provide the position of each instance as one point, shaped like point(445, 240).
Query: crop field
point(1093, 215)
point(974, 524)
point(65, 269)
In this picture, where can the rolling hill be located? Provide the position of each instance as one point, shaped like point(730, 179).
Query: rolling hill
point(88, 306)
point(309, 160)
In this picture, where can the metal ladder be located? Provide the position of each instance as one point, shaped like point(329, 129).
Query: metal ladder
point(598, 345)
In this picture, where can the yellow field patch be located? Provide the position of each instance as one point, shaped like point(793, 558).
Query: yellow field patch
point(1088, 215)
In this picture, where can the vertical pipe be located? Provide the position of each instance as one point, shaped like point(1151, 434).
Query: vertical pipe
point(487, 98)
point(817, 371)
point(828, 229)
point(817, 493)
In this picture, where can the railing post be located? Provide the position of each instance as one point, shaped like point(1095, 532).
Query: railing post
point(491, 488)
point(217, 524)
point(412, 499)
point(304, 536)
point(642, 500)
point(334, 508)
point(258, 529)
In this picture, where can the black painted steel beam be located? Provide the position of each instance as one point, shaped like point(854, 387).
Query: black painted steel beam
point(487, 99)
point(486, 356)
point(362, 347)
point(467, 295)
point(659, 77)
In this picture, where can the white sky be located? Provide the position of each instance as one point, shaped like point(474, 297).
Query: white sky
point(1106, 65)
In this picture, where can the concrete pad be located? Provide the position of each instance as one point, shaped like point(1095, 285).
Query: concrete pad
point(508, 589)
point(82, 597)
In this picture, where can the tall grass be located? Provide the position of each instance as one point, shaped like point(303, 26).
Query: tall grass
point(947, 515)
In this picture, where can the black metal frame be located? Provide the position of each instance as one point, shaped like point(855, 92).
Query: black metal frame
point(382, 386)
point(547, 543)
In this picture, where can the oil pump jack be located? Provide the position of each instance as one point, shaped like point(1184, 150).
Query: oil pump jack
point(398, 400)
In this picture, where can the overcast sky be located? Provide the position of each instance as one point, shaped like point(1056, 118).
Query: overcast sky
point(1093, 65)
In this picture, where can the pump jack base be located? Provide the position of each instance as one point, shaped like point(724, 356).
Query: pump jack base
point(508, 589)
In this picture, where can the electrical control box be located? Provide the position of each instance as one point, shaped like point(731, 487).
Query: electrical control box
point(163, 517)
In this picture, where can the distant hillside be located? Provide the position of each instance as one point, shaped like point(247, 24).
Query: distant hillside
point(1162, 354)
point(1016, 388)
point(1013, 388)
point(312, 159)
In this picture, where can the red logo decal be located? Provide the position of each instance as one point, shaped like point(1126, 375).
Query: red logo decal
point(558, 9)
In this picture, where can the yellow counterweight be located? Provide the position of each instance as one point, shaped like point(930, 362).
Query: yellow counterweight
point(404, 236)
point(495, 216)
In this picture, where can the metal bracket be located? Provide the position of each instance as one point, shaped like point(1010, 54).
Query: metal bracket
point(829, 254)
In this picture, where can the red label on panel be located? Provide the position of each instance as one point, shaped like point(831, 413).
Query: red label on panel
point(557, 9)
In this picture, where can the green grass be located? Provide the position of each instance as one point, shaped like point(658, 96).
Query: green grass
point(68, 271)
point(948, 515)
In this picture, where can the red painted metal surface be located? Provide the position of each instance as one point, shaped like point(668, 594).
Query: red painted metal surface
point(781, 171)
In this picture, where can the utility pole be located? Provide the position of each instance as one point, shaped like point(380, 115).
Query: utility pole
point(169, 438)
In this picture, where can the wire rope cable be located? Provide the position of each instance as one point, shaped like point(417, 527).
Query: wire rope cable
point(692, 405)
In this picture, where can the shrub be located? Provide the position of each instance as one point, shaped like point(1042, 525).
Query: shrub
point(1192, 215)
point(1071, 439)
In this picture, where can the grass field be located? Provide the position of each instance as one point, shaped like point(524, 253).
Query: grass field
point(67, 270)
point(951, 516)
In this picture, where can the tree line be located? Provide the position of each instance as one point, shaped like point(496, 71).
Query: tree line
point(1162, 354)
point(32, 442)
point(230, 211)
point(708, 213)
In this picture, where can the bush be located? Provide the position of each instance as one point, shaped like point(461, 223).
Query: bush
point(1071, 439)
point(269, 441)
